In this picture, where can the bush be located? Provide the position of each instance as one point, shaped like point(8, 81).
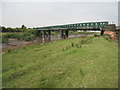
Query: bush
point(3, 40)
point(31, 31)
point(107, 37)
point(28, 35)
point(14, 35)
point(29, 38)
point(36, 33)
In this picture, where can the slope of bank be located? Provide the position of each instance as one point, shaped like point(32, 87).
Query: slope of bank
point(73, 63)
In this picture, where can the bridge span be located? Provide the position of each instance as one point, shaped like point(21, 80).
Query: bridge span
point(45, 32)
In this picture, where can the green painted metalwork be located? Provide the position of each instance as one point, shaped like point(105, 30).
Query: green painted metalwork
point(78, 25)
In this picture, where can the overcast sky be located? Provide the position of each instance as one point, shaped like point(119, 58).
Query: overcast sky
point(36, 14)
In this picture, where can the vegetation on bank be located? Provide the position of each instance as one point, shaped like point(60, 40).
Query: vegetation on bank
point(9, 29)
point(18, 33)
point(28, 34)
point(22, 33)
point(87, 62)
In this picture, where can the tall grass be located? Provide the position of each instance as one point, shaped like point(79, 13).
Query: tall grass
point(85, 40)
point(107, 37)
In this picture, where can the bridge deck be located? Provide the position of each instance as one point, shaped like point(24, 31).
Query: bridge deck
point(78, 25)
point(53, 29)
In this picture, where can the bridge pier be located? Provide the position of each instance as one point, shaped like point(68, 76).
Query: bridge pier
point(64, 34)
point(46, 35)
point(61, 34)
point(40, 34)
point(49, 35)
point(43, 36)
point(102, 32)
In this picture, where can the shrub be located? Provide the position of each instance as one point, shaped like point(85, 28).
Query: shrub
point(29, 38)
point(3, 40)
point(28, 35)
point(14, 35)
point(107, 37)
point(31, 31)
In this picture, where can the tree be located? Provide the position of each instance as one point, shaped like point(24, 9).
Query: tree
point(9, 29)
point(4, 29)
point(23, 27)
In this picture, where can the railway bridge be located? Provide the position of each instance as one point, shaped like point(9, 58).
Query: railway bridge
point(45, 32)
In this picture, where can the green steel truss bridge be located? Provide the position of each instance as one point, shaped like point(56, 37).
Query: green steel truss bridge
point(77, 26)
point(45, 32)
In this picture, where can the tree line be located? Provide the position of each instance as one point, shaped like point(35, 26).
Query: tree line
point(9, 29)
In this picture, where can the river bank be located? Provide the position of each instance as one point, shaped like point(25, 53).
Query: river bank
point(14, 44)
point(89, 62)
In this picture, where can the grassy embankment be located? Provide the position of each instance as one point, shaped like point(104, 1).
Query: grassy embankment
point(72, 63)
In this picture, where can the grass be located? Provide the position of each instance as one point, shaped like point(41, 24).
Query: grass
point(93, 65)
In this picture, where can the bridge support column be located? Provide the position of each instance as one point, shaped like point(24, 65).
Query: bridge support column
point(61, 34)
point(43, 36)
point(66, 34)
point(49, 35)
point(46, 35)
point(102, 32)
point(40, 34)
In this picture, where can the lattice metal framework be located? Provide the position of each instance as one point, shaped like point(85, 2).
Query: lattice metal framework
point(78, 25)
